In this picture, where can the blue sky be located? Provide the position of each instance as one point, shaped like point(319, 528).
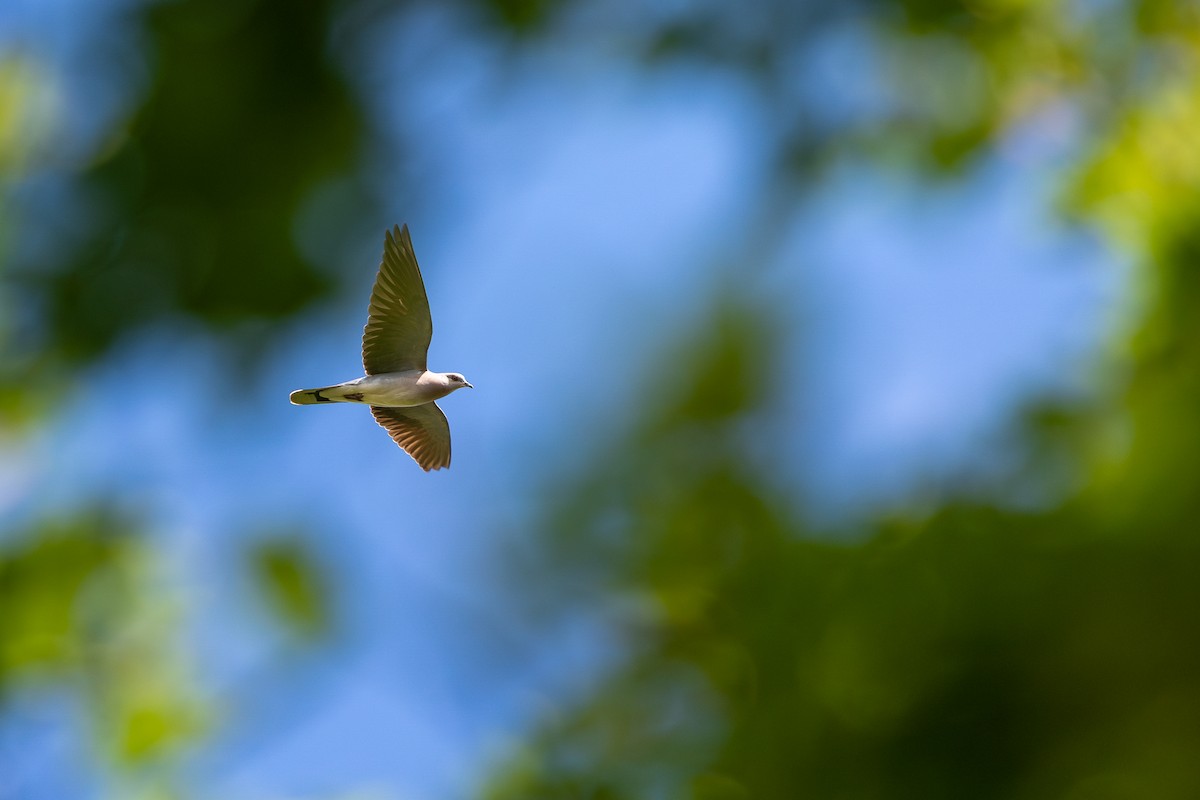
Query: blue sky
point(560, 207)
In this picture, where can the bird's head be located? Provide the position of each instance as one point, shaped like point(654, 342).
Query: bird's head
point(456, 381)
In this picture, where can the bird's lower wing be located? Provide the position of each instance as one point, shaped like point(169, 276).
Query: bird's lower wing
point(422, 432)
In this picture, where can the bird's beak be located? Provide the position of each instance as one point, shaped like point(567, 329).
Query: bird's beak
point(469, 386)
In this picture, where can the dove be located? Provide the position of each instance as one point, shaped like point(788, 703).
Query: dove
point(398, 386)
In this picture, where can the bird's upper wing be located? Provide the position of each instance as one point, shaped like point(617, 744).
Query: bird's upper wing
point(422, 431)
point(396, 337)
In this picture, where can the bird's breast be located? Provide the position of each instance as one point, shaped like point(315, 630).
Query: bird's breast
point(394, 389)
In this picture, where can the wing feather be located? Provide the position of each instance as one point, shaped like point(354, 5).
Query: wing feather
point(421, 431)
point(399, 328)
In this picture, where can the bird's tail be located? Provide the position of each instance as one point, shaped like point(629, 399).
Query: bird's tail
point(308, 397)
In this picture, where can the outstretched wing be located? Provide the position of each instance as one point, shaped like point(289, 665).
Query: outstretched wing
point(422, 431)
point(396, 337)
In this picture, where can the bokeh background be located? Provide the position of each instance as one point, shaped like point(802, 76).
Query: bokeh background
point(836, 433)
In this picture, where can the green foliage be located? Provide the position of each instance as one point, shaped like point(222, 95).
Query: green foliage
point(520, 16)
point(289, 575)
point(975, 651)
point(978, 653)
point(191, 207)
point(39, 588)
point(83, 602)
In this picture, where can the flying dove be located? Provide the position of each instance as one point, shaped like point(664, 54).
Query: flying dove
point(398, 387)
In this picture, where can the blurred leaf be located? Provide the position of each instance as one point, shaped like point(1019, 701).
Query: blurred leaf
point(41, 582)
point(83, 604)
point(522, 16)
point(25, 116)
point(190, 211)
point(290, 577)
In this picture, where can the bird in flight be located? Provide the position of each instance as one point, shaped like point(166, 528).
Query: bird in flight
point(397, 386)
